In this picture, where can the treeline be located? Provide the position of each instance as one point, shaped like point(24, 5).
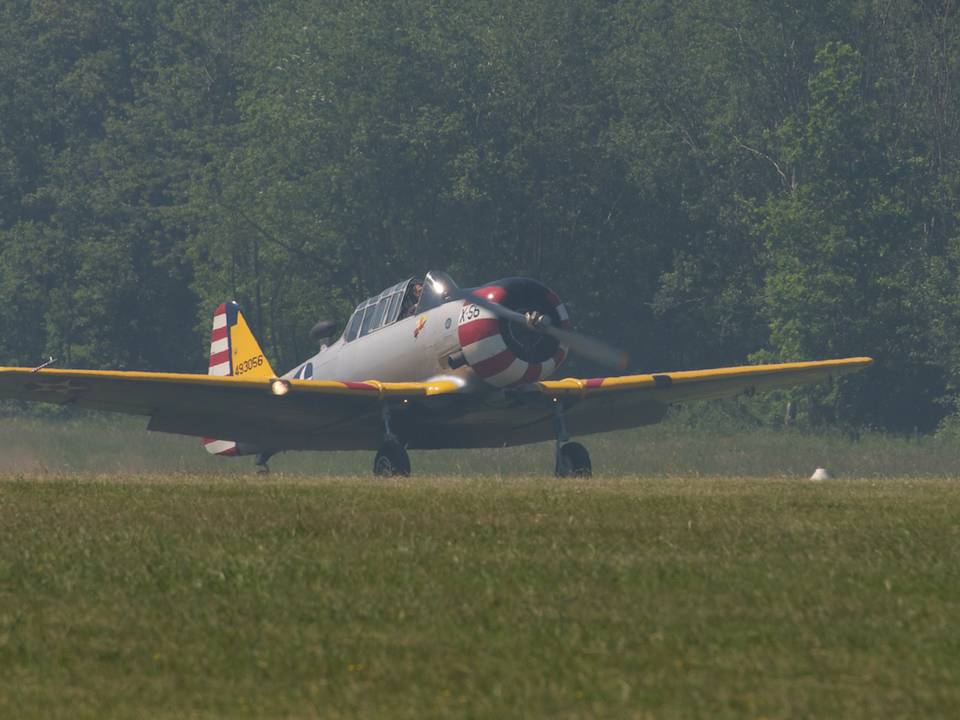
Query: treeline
point(704, 182)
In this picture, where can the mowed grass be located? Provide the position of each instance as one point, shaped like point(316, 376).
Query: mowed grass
point(194, 596)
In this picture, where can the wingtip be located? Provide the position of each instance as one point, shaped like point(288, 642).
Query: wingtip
point(851, 364)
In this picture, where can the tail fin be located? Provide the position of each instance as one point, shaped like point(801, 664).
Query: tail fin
point(233, 352)
point(233, 349)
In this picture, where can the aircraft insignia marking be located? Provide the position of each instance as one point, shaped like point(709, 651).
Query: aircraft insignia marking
point(421, 321)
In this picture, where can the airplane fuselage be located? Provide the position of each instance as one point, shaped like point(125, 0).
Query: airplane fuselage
point(441, 338)
point(398, 352)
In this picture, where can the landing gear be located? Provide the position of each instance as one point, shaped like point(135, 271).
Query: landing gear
point(572, 458)
point(261, 462)
point(392, 459)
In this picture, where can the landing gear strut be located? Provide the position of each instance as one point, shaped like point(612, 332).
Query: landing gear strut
point(261, 462)
point(572, 458)
point(392, 459)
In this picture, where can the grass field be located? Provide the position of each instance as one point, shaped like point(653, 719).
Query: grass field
point(105, 444)
point(210, 596)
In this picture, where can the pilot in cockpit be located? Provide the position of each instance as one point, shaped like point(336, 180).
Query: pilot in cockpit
point(411, 300)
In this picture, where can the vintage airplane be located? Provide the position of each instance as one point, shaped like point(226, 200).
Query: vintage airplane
point(422, 365)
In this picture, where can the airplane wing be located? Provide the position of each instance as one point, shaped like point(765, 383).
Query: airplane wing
point(312, 414)
point(335, 415)
point(705, 384)
point(612, 403)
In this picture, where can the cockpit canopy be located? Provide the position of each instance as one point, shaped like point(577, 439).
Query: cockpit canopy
point(404, 299)
point(378, 311)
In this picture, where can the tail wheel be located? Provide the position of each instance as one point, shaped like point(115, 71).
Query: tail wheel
point(391, 460)
point(574, 461)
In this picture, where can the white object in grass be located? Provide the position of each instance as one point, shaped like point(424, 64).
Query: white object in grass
point(820, 474)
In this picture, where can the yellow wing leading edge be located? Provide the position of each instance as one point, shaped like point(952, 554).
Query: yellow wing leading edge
point(705, 384)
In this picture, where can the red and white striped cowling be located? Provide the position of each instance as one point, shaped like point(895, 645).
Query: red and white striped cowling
point(486, 348)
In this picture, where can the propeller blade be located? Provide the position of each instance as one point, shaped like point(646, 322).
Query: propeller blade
point(591, 348)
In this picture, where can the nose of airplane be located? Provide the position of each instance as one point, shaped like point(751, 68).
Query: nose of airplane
point(506, 353)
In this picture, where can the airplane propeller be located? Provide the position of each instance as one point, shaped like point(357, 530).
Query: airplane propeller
point(589, 347)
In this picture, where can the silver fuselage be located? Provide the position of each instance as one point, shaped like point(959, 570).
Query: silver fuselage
point(395, 353)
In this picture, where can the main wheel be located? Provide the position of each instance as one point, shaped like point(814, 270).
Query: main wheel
point(391, 460)
point(574, 461)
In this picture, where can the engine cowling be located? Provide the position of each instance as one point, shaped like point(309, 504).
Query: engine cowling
point(505, 353)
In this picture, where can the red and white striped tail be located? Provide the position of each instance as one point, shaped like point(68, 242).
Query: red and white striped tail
point(220, 343)
point(220, 365)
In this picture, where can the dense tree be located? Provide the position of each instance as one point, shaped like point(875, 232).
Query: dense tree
point(704, 182)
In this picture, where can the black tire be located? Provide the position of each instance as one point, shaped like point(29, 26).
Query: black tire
point(574, 461)
point(391, 460)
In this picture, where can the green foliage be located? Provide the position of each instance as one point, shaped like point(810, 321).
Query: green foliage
point(842, 250)
point(703, 182)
